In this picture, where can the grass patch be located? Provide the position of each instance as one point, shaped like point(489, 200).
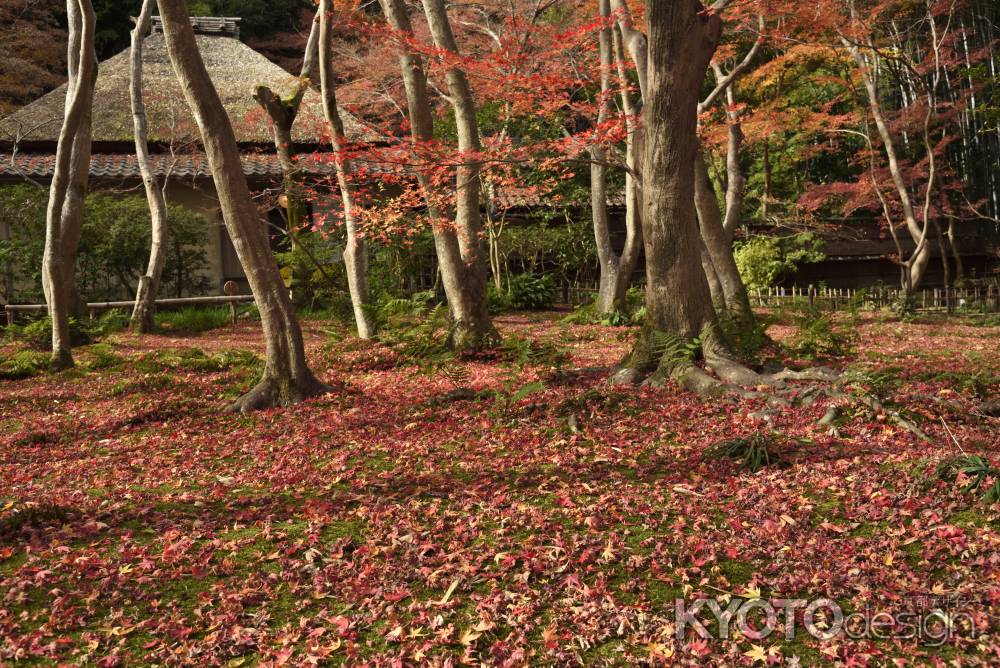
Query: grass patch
point(148, 383)
point(192, 319)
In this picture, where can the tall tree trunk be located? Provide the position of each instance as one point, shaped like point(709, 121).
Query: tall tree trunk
point(355, 253)
point(287, 378)
point(64, 215)
point(616, 270)
point(472, 327)
point(608, 300)
point(679, 312)
point(149, 283)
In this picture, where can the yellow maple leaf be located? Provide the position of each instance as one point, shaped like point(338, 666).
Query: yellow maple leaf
point(757, 653)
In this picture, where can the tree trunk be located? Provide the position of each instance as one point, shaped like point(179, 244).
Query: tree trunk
point(287, 378)
point(719, 248)
point(64, 215)
point(682, 39)
point(149, 283)
point(473, 330)
point(624, 32)
point(920, 258)
point(283, 112)
point(355, 253)
point(464, 279)
point(609, 294)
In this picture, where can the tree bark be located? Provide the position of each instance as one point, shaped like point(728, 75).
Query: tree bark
point(682, 40)
point(287, 378)
point(283, 112)
point(64, 214)
point(355, 252)
point(463, 277)
point(608, 291)
point(719, 247)
point(149, 283)
point(472, 330)
point(616, 270)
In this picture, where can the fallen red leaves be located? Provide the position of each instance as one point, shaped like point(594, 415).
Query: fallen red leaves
point(380, 526)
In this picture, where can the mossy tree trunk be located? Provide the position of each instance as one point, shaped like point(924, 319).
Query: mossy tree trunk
point(355, 252)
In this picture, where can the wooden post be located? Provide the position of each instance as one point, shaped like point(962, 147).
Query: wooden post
point(230, 288)
point(10, 318)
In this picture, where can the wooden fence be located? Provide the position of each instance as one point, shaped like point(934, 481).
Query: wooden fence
point(93, 307)
point(979, 297)
point(984, 297)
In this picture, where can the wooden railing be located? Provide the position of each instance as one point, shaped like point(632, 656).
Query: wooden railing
point(92, 307)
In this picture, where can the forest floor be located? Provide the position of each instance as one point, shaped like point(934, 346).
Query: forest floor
point(544, 517)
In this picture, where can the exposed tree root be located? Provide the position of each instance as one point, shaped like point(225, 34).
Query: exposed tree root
point(724, 374)
point(271, 392)
point(894, 417)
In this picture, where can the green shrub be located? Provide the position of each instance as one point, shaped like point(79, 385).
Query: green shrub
point(194, 359)
point(761, 260)
point(38, 333)
point(633, 313)
point(192, 319)
point(103, 356)
point(114, 246)
point(525, 292)
point(818, 334)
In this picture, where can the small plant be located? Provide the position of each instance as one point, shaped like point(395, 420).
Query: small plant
point(15, 517)
point(194, 359)
point(24, 364)
point(102, 356)
point(674, 349)
point(753, 452)
point(417, 331)
point(981, 475)
point(632, 313)
point(880, 383)
point(521, 351)
point(820, 335)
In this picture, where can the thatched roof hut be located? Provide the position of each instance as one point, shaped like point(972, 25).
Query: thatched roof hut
point(235, 69)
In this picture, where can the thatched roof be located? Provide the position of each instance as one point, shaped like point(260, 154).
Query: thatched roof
point(236, 71)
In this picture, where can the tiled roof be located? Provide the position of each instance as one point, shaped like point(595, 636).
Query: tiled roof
point(125, 166)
